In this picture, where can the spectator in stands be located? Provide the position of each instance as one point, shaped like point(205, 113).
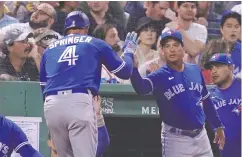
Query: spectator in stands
point(202, 13)
point(156, 11)
point(98, 14)
point(108, 33)
point(21, 10)
point(43, 16)
point(147, 36)
point(4, 18)
point(154, 64)
point(203, 9)
point(230, 26)
point(43, 37)
point(126, 14)
point(65, 8)
point(136, 10)
point(22, 59)
point(115, 10)
point(194, 35)
point(214, 46)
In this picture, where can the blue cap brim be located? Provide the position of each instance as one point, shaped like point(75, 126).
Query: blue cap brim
point(170, 37)
point(208, 64)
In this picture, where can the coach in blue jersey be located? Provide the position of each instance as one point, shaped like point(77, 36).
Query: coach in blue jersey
point(70, 69)
point(227, 101)
point(183, 100)
point(12, 138)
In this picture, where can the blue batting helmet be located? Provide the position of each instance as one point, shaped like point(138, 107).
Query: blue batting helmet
point(76, 19)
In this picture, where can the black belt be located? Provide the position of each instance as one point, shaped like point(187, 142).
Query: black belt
point(190, 133)
point(74, 90)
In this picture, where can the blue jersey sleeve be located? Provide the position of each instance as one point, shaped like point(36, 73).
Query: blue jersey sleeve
point(103, 141)
point(209, 109)
point(20, 142)
point(142, 86)
point(122, 68)
point(43, 73)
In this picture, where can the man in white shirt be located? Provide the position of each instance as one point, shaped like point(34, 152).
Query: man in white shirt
point(194, 34)
point(237, 9)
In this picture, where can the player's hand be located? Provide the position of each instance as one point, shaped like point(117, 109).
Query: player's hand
point(130, 43)
point(34, 50)
point(219, 138)
point(153, 67)
point(97, 103)
point(172, 25)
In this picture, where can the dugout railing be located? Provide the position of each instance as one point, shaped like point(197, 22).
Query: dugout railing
point(123, 108)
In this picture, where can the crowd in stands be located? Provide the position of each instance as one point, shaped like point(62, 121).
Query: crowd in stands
point(28, 27)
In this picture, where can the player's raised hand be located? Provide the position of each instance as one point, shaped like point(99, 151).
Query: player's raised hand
point(219, 138)
point(153, 67)
point(130, 43)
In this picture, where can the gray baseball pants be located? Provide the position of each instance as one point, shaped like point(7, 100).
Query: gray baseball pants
point(176, 145)
point(71, 120)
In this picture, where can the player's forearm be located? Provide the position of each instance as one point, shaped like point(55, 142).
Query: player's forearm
point(192, 47)
point(28, 151)
point(140, 85)
point(211, 113)
point(126, 71)
point(103, 141)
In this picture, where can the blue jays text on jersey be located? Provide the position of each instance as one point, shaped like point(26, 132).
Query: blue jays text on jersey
point(182, 97)
point(227, 102)
point(13, 138)
point(75, 61)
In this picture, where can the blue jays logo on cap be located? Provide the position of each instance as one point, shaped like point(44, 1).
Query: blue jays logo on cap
point(221, 58)
point(214, 57)
point(172, 34)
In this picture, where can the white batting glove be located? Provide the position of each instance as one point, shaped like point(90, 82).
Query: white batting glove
point(130, 43)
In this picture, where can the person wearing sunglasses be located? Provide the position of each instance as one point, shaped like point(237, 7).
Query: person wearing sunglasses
point(43, 37)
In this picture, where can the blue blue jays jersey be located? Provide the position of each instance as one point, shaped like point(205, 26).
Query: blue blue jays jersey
point(236, 57)
point(13, 138)
point(179, 95)
point(75, 61)
point(227, 102)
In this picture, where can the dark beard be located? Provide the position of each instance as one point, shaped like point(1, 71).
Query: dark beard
point(41, 24)
point(116, 48)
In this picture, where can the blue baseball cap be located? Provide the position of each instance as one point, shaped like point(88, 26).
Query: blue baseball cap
point(221, 58)
point(171, 34)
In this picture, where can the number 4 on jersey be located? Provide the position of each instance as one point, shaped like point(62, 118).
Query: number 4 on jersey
point(69, 55)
